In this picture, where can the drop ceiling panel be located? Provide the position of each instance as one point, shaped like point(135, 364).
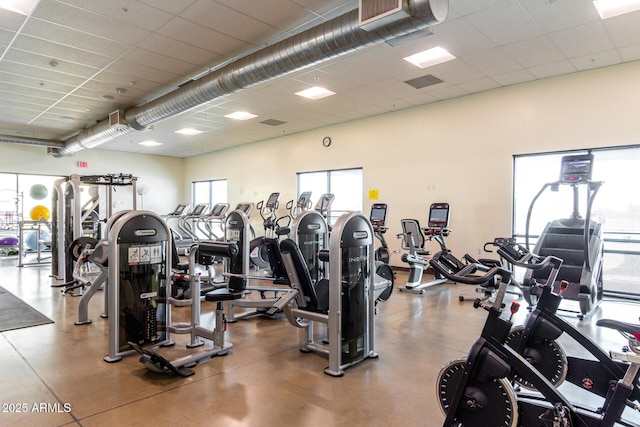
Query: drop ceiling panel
point(63, 23)
point(64, 53)
point(554, 69)
point(40, 73)
point(505, 23)
point(597, 60)
point(492, 61)
point(213, 41)
point(278, 15)
point(582, 40)
point(228, 21)
point(624, 30)
point(534, 52)
point(168, 64)
point(557, 15)
point(123, 13)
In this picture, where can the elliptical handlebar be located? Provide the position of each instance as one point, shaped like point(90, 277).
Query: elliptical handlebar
point(463, 275)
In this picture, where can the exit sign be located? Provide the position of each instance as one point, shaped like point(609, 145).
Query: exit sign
point(83, 164)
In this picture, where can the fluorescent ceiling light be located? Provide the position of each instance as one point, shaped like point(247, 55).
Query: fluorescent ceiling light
point(315, 93)
point(241, 115)
point(610, 8)
point(430, 57)
point(150, 143)
point(189, 131)
point(23, 7)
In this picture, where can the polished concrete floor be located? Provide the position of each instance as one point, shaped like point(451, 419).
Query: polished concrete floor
point(264, 381)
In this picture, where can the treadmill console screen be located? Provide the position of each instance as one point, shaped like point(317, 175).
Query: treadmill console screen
point(219, 210)
point(324, 203)
point(199, 209)
point(576, 168)
point(439, 215)
point(179, 210)
point(304, 200)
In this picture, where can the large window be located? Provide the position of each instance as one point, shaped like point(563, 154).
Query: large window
point(344, 184)
point(616, 206)
point(211, 192)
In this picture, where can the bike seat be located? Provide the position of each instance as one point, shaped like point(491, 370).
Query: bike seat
point(630, 328)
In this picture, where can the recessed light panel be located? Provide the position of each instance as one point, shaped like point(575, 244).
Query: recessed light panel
point(315, 93)
point(241, 115)
point(611, 8)
point(150, 143)
point(430, 57)
point(23, 7)
point(189, 131)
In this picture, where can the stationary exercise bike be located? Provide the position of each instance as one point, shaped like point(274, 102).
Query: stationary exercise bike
point(476, 391)
point(536, 340)
point(413, 239)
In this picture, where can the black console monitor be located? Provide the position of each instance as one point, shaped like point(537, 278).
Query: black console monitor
point(378, 217)
point(246, 208)
point(576, 168)
point(324, 203)
point(219, 209)
point(180, 209)
point(272, 201)
point(304, 201)
point(439, 215)
point(200, 209)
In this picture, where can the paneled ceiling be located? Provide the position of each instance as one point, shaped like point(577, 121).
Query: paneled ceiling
point(70, 63)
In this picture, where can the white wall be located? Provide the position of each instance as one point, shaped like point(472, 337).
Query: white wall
point(457, 151)
point(163, 175)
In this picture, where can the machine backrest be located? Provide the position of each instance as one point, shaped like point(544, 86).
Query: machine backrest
point(412, 237)
point(308, 298)
point(275, 260)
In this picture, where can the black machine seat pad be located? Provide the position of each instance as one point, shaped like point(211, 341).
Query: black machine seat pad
point(222, 294)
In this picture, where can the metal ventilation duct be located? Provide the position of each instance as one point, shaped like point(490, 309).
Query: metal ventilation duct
point(333, 38)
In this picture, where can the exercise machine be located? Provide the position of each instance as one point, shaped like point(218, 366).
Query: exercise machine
point(575, 239)
point(140, 302)
point(413, 240)
point(211, 225)
point(344, 302)
point(476, 391)
point(309, 230)
point(385, 276)
point(72, 219)
point(267, 210)
point(537, 340)
point(237, 231)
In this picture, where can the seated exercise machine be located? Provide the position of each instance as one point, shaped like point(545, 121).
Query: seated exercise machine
point(237, 230)
point(344, 302)
point(476, 390)
point(140, 303)
point(309, 230)
point(576, 240)
point(413, 240)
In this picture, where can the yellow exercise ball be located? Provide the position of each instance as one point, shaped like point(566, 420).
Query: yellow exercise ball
point(38, 212)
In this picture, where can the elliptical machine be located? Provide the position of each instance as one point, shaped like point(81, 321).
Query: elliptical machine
point(257, 250)
point(576, 240)
point(385, 276)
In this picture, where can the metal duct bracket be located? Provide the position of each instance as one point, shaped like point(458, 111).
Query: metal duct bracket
point(374, 14)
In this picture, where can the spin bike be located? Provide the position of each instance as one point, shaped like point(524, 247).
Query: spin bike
point(536, 340)
point(476, 391)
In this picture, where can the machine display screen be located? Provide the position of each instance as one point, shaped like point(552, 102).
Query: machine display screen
point(218, 210)
point(199, 209)
point(439, 215)
point(179, 210)
point(272, 201)
point(576, 168)
point(378, 214)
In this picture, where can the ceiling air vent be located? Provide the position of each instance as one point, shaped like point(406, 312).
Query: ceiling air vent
point(424, 81)
point(116, 118)
point(374, 14)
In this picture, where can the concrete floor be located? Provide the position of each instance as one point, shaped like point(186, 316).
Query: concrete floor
point(265, 380)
